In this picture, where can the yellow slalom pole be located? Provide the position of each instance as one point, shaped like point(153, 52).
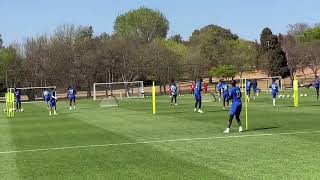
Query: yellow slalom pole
point(246, 103)
point(153, 98)
point(295, 92)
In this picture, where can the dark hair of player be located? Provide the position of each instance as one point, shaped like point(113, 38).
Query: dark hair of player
point(234, 83)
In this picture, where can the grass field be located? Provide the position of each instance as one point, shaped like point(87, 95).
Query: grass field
point(129, 142)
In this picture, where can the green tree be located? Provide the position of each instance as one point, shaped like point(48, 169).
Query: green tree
point(242, 55)
point(310, 34)
point(223, 71)
point(1, 42)
point(276, 58)
point(177, 38)
point(143, 23)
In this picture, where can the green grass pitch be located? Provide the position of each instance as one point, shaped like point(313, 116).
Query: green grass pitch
point(128, 142)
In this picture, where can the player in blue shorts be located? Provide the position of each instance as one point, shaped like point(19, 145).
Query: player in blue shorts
point(274, 89)
point(219, 89)
point(248, 89)
point(197, 96)
point(46, 97)
point(17, 94)
point(53, 103)
point(316, 85)
point(71, 95)
point(255, 88)
point(236, 107)
point(225, 92)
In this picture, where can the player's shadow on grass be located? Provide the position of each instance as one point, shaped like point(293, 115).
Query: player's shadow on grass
point(263, 128)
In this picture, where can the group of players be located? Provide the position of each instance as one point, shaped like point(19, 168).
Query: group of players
point(225, 92)
point(50, 98)
point(232, 94)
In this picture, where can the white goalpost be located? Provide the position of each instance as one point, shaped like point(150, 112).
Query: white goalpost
point(32, 93)
point(120, 90)
point(263, 82)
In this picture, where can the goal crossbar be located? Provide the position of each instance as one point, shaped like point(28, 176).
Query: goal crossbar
point(108, 87)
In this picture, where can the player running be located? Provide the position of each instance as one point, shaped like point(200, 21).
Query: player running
point(53, 102)
point(248, 89)
point(316, 84)
point(225, 92)
point(17, 93)
point(197, 96)
point(236, 107)
point(274, 89)
point(219, 89)
point(71, 95)
point(255, 88)
point(174, 93)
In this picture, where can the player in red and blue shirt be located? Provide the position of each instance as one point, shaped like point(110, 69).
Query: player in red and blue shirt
point(236, 107)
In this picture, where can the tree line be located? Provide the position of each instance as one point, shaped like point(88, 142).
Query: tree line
point(139, 49)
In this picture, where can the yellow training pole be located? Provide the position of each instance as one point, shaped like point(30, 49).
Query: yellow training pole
point(295, 92)
point(10, 104)
point(153, 98)
point(246, 104)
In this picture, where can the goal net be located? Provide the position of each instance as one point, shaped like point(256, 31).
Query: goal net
point(29, 94)
point(119, 90)
point(108, 101)
point(263, 83)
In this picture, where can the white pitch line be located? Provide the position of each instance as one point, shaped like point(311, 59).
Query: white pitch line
point(150, 142)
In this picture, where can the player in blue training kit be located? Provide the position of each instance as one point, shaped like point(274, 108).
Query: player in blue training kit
point(17, 94)
point(197, 96)
point(316, 84)
point(236, 107)
point(274, 89)
point(255, 88)
point(46, 97)
point(174, 93)
point(219, 89)
point(225, 91)
point(71, 95)
point(53, 102)
point(248, 89)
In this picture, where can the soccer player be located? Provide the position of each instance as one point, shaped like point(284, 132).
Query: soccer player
point(219, 88)
point(225, 91)
point(248, 89)
point(71, 95)
point(236, 107)
point(192, 89)
point(316, 84)
point(274, 91)
point(255, 88)
point(53, 103)
point(46, 97)
point(17, 93)
point(197, 96)
point(174, 93)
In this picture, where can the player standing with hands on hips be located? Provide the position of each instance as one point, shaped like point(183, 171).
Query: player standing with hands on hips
point(197, 96)
point(274, 89)
point(174, 93)
point(71, 95)
point(236, 107)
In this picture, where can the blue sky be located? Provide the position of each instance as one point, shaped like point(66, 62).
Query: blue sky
point(23, 18)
